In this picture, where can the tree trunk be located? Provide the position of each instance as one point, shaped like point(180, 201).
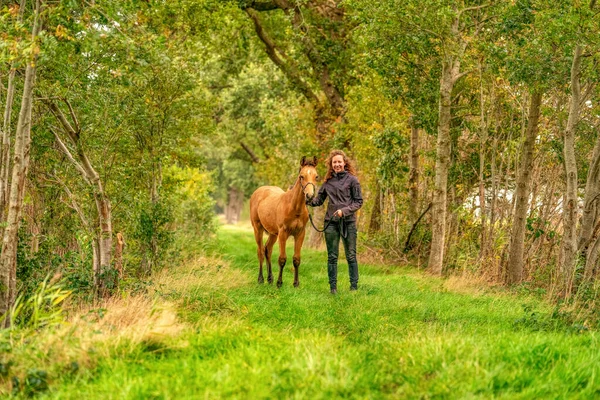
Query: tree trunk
point(590, 204)
point(375, 223)
point(413, 178)
point(570, 212)
point(589, 217)
point(234, 205)
point(451, 226)
point(5, 153)
point(96, 260)
point(442, 165)
point(154, 199)
point(5, 156)
point(8, 258)
point(120, 245)
point(592, 259)
point(514, 269)
point(108, 276)
point(482, 141)
point(450, 75)
point(488, 244)
point(32, 217)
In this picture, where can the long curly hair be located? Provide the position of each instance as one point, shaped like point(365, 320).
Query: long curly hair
point(348, 167)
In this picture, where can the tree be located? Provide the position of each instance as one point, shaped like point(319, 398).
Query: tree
point(6, 129)
point(523, 190)
point(105, 276)
point(320, 28)
point(570, 250)
point(8, 258)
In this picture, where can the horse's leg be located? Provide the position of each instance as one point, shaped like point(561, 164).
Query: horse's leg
point(269, 253)
point(298, 240)
point(283, 236)
point(258, 236)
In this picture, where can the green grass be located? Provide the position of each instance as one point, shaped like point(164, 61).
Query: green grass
point(401, 335)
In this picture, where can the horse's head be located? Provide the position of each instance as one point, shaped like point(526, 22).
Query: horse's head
point(308, 177)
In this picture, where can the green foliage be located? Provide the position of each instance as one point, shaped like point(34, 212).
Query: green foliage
point(192, 189)
point(33, 269)
point(42, 309)
point(36, 381)
point(259, 111)
point(557, 320)
point(536, 227)
point(135, 85)
point(392, 147)
point(154, 234)
point(517, 17)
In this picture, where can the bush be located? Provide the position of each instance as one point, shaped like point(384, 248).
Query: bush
point(191, 190)
point(43, 308)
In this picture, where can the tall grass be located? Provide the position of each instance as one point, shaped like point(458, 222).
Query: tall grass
point(44, 346)
point(41, 309)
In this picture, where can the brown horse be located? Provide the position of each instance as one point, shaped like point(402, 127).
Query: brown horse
point(282, 214)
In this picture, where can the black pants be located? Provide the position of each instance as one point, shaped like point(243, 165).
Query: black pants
point(332, 239)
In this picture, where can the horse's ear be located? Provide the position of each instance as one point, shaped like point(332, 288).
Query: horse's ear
point(303, 162)
point(314, 161)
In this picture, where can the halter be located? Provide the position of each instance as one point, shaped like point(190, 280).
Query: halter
point(305, 186)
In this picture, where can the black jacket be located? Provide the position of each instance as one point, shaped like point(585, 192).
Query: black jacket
point(344, 194)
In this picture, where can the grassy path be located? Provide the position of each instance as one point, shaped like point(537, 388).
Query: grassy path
point(402, 335)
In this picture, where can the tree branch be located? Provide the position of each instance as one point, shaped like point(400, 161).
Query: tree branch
point(288, 70)
point(260, 5)
point(74, 205)
point(457, 77)
point(74, 136)
point(252, 155)
point(467, 9)
point(414, 226)
point(85, 167)
point(65, 150)
point(320, 68)
point(74, 118)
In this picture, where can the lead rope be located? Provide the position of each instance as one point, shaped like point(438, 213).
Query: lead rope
point(342, 227)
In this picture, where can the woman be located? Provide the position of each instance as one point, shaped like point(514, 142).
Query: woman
point(343, 190)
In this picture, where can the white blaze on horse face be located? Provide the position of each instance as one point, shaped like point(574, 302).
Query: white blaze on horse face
point(310, 184)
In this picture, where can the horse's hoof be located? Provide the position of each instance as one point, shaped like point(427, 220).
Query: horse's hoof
point(261, 280)
point(270, 280)
point(279, 284)
point(296, 284)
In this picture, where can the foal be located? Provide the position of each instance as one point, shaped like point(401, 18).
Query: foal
point(282, 214)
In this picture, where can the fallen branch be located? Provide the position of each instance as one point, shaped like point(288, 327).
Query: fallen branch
point(406, 248)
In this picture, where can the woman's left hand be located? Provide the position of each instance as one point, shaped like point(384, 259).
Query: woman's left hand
point(339, 213)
